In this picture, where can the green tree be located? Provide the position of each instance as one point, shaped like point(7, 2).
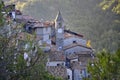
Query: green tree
point(1, 14)
point(105, 67)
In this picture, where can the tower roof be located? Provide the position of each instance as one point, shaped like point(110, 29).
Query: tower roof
point(59, 17)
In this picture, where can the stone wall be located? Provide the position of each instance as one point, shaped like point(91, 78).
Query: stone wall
point(58, 71)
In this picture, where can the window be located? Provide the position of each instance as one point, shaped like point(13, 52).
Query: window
point(73, 61)
point(60, 24)
point(74, 42)
point(58, 64)
point(49, 36)
point(62, 63)
point(68, 76)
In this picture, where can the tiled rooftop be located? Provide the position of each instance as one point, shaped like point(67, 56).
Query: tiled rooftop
point(42, 24)
point(56, 56)
point(74, 45)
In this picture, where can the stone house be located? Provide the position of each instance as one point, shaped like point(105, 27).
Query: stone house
point(79, 67)
point(56, 64)
point(43, 31)
point(76, 48)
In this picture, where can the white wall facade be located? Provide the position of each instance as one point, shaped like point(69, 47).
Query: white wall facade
point(70, 40)
point(47, 30)
point(69, 73)
point(76, 50)
point(39, 31)
point(74, 60)
point(55, 63)
point(18, 16)
point(44, 33)
point(77, 75)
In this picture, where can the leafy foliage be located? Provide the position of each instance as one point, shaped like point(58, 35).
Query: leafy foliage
point(1, 14)
point(106, 66)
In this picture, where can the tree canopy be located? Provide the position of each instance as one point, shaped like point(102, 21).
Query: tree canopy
point(106, 66)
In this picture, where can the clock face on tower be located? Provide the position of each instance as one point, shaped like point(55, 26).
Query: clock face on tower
point(60, 30)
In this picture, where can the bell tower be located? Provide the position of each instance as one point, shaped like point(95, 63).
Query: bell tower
point(59, 29)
